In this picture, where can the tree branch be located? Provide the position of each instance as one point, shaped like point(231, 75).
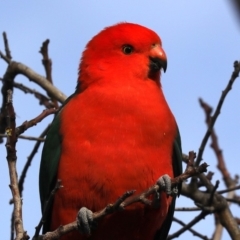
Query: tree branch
point(188, 226)
point(6, 45)
point(217, 111)
point(19, 68)
point(43, 100)
point(8, 79)
point(27, 124)
point(229, 182)
point(29, 161)
point(46, 210)
point(11, 158)
point(195, 233)
point(25, 137)
point(47, 63)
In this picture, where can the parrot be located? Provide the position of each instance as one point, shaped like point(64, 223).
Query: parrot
point(115, 133)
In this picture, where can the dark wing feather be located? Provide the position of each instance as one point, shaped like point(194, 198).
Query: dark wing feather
point(49, 164)
point(177, 169)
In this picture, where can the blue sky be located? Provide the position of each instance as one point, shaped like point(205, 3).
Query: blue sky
point(201, 39)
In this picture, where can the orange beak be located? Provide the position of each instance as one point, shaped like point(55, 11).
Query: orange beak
point(158, 59)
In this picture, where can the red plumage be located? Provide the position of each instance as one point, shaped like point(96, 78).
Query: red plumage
point(117, 134)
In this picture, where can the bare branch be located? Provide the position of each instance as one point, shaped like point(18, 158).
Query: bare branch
point(43, 100)
point(6, 45)
point(217, 111)
point(16, 67)
point(229, 182)
point(26, 138)
point(46, 210)
point(213, 192)
point(187, 209)
point(11, 158)
point(27, 124)
point(219, 205)
point(47, 63)
point(195, 233)
point(29, 161)
point(7, 56)
point(186, 227)
point(228, 221)
point(8, 80)
point(229, 190)
point(233, 200)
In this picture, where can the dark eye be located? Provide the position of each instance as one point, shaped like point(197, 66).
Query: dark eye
point(127, 49)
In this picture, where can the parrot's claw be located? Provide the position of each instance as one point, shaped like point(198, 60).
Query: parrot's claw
point(85, 221)
point(166, 184)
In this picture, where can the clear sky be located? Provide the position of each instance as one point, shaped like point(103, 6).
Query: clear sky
point(201, 39)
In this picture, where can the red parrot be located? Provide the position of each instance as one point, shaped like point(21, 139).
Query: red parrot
point(115, 133)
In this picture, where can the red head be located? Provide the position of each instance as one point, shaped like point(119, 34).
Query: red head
point(122, 52)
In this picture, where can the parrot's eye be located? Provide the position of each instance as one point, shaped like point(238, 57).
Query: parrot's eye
point(127, 49)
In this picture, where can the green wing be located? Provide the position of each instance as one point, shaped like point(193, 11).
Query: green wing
point(177, 169)
point(49, 164)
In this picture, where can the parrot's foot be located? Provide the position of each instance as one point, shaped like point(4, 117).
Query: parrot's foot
point(85, 221)
point(165, 183)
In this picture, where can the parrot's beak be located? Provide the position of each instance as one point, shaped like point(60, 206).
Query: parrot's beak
point(158, 59)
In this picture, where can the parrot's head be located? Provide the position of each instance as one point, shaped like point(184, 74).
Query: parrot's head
point(122, 53)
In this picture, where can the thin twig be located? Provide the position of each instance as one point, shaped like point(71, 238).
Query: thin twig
point(27, 124)
point(219, 206)
point(213, 192)
point(46, 209)
point(25, 137)
point(29, 161)
point(6, 45)
point(195, 233)
point(229, 189)
point(217, 111)
point(47, 63)
point(233, 200)
point(228, 180)
point(43, 100)
point(186, 227)
point(187, 209)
